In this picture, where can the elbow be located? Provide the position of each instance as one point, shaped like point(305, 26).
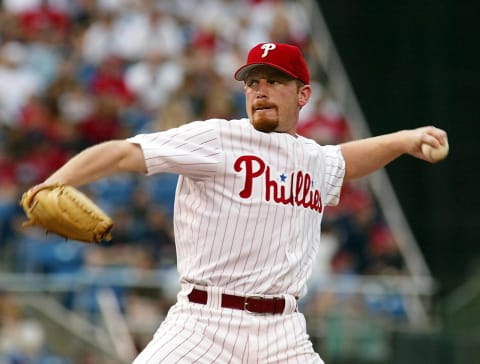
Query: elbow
point(356, 172)
point(350, 174)
point(131, 158)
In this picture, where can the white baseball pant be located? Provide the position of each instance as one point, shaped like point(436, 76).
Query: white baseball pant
point(196, 333)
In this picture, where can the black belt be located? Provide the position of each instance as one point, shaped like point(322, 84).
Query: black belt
point(253, 304)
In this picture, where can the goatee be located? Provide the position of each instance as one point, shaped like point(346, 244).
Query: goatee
point(265, 124)
point(264, 116)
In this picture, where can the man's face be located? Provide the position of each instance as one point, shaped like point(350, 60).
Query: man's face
point(274, 99)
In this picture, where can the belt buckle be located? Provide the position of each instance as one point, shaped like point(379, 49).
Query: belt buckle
point(245, 303)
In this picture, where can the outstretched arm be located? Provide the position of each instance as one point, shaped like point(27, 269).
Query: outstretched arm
point(99, 161)
point(365, 156)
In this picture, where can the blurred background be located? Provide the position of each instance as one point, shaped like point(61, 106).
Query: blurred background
point(397, 279)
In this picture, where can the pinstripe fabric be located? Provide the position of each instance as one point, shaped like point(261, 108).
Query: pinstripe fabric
point(246, 245)
point(247, 217)
point(193, 333)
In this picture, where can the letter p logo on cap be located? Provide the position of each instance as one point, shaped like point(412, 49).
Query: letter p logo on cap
point(286, 58)
point(267, 47)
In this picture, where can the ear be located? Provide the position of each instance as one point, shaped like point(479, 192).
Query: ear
point(304, 94)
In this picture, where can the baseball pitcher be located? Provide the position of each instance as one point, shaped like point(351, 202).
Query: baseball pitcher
point(248, 210)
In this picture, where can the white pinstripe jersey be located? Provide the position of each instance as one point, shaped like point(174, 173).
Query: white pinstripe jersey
point(248, 204)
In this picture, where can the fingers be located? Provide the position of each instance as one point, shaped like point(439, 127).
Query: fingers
point(27, 199)
point(42, 186)
point(430, 144)
point(33, 191)
point(28, 196)
point(427, 138)
point(433, 136)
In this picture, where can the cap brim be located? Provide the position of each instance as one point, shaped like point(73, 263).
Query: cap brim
point(242, 72)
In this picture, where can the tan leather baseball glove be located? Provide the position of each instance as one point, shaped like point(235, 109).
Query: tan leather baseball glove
point(65, 211)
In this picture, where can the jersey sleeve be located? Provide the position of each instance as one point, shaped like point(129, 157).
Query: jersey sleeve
point(190, 150)
point(334, 173)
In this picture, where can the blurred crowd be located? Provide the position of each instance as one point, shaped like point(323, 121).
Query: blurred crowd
point(75, 73)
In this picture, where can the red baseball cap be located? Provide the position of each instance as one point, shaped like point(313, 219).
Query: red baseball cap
point(285, 57)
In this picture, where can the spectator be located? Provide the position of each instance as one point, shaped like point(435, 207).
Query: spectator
point(43, 19)
point(154, 79)
point(103, 123)
point(17, 83)
point(326, 123)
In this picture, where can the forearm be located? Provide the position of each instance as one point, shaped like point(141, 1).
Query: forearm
point(99, 161)
point(365, 156)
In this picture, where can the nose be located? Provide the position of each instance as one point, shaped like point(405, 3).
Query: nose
point(261, 89)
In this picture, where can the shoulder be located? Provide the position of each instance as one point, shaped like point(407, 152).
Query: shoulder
point(231, 128)
point(309, 144)
point(215, 123)
point(229, 124)
point(312, 146)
